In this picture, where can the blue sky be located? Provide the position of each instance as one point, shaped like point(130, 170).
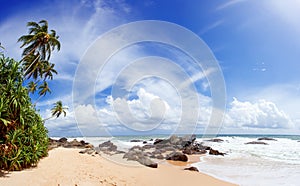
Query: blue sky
point(256, 44)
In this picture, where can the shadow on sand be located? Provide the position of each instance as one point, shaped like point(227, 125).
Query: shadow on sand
point(3, 174)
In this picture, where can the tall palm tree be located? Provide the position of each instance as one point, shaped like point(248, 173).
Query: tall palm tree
point(39, 42)
point(32, 87)
point(58, 109)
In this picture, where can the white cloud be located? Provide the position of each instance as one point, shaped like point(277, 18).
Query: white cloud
point(261, 114)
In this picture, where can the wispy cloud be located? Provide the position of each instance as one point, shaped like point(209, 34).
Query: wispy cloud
point(211, 26)
point(228, 4)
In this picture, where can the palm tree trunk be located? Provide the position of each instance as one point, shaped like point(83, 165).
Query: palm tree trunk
point(30, 64)
point(47, 118)
point(37, 100)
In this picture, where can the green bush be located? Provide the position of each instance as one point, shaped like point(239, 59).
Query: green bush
point(23, 136)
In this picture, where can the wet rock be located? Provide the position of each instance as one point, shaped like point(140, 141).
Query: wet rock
point(265, 138)
point(135, 140)
point(177, 156)
point(215, 152)
point(191, 151)
point(157, 141)
point(187, 140)
point(192, 169)
point(215, 140)
point(147, 162)
point(256, 142)
point(144, 142)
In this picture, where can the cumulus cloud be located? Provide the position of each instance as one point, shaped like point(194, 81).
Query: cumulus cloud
point(261, 114)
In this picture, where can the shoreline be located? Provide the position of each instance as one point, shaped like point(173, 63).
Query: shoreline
point(69, 167)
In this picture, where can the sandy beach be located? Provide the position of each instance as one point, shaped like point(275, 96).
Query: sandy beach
point(65, 167)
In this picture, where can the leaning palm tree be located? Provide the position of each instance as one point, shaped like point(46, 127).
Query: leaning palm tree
point(58, 109)
point(43, 90)
point(39, 42)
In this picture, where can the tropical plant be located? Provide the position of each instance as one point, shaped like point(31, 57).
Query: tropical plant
point(23, 137)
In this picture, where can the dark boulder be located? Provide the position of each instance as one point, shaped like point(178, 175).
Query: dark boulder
point(144, 142)
point(266, 138)
point(191, 151)
point(141, 157)
point(157, 141)
point(215, 152)
point(177, 156)
point(257, 142)
point(192, 169)
point(135, 140)
point(187, 140)
point(63, 140)
point(215, 140)
point(107, 147)
point(147, 162)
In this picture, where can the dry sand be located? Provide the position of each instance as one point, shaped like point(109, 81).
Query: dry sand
point(67, 167)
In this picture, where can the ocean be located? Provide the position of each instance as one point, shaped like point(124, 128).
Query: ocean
point(277, 163)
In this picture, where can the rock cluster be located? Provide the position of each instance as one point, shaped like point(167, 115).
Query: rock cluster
point(265, 138)
point(174, 148)
point(63, 142)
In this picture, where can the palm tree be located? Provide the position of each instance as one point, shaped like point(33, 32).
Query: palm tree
point(39, 42)
point(58, 109)
point(48, 70)
point(32, 87)
point(44, 88)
